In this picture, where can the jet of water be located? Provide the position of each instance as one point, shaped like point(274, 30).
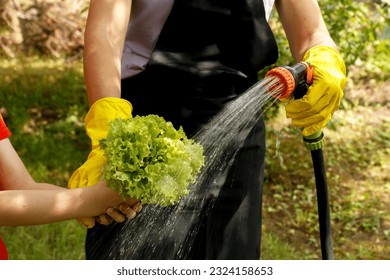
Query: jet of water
point(178, 225)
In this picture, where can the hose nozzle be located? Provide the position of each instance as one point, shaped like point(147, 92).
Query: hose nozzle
point(294, 79)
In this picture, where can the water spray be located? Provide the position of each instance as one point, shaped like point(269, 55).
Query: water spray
point(294, 81)
point(172, 233)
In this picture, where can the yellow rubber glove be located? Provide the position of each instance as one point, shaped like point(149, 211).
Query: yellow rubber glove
point(96, 124)
point(313, 111)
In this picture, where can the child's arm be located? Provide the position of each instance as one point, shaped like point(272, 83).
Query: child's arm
point(33, 207)
point(25, 202)
point(13, 173)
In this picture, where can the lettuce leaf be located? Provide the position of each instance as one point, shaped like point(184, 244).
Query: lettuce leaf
point(147, 158)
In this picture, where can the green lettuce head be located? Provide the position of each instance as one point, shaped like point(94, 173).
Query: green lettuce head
point(148, 159)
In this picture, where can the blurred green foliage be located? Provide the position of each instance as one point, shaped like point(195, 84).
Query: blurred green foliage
point(359, 28)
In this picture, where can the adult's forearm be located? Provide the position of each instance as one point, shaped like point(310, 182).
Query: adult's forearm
point(104, 39)
point(304, 25)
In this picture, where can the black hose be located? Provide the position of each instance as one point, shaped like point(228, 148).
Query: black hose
point(323, 205)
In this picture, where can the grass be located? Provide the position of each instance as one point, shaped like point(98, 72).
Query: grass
point(44, 103)
point(59, 241)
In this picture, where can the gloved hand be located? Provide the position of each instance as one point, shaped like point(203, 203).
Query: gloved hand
point(313, 111)
point(96, 124)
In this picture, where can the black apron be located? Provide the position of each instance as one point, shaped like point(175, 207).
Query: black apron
point(208, 53)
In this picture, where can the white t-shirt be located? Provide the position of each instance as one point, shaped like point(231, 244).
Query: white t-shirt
point(146, 21)
point(268, 5)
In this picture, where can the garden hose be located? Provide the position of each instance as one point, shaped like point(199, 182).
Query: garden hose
point(314, 143)
point(294, 81)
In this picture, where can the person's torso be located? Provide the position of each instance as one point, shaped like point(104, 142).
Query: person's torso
point(195, 32)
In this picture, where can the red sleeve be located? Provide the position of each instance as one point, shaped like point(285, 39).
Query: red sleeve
point(4, 131)
point(3, 250)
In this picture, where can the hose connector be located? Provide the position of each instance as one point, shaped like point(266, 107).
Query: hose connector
point(314, 141)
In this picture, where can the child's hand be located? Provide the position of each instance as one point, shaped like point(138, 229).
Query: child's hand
point(110, 204)
point(128, 210)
